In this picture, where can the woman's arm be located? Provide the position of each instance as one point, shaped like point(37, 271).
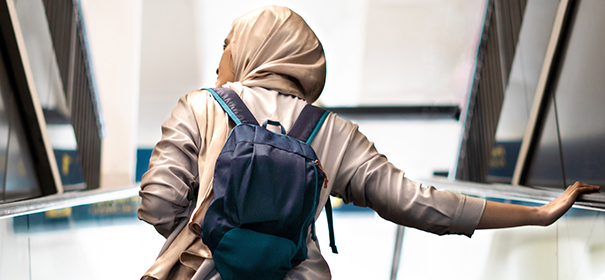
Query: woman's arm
point(166, 188)
point(502, 215)
point(362, 176)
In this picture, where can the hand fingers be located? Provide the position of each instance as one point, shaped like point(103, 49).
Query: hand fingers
point(579, 188)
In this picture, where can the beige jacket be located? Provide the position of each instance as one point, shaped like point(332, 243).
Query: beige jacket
point(194, 135)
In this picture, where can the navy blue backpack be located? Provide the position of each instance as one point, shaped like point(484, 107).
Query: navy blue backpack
point(266, 191)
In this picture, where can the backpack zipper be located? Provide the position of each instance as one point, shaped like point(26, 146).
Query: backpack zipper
point(322, 171)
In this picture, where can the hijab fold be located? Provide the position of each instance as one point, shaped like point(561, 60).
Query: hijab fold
point(274, 48)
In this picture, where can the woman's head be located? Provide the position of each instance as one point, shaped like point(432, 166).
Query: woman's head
point(274, 48)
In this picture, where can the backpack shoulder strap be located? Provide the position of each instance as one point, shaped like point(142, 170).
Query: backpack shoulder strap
point(233, 105)
point(308, 123)
point(305, 128)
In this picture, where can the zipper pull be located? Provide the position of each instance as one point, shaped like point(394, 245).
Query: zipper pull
point(324, 172)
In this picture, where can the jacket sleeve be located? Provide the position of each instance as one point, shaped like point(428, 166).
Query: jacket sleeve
point(167, 188)
point(367, 179)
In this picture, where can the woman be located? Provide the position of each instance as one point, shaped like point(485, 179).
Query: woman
point(274, 61)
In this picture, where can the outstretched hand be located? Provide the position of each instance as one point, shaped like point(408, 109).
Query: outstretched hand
point(559, 206)
point(503, 215)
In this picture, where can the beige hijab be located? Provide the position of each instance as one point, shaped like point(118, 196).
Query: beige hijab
point(274, 48)
point(271, 48)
